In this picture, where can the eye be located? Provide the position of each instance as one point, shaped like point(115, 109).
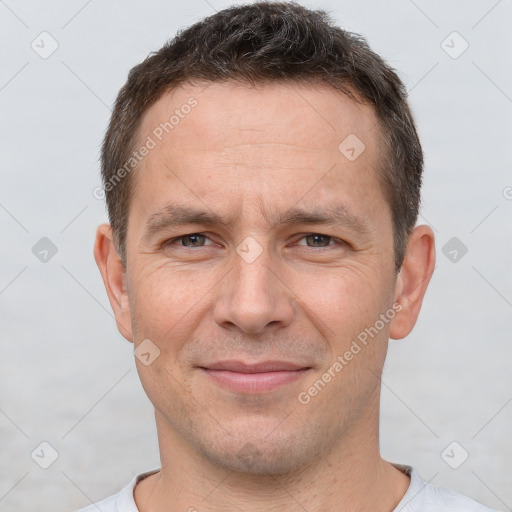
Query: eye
point(198, 240)
point(319, 240)
point(192, 240)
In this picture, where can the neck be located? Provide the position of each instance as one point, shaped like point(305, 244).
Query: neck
point(351, 475)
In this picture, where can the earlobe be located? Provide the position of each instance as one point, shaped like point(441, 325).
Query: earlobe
point(413, 279)
point(114, 278)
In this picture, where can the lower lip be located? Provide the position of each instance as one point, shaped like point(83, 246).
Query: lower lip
point(254, 382)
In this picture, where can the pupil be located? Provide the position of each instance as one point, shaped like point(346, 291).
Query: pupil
point(193, 239)
point(316, 238)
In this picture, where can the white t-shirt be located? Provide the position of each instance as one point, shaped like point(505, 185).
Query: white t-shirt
point(420, 497)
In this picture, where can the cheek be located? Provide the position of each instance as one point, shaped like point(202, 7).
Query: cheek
point(165, 304)
point(168, 392)
point(345, 300)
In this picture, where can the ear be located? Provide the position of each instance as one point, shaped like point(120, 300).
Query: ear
point(412, 280)
point(114, 278)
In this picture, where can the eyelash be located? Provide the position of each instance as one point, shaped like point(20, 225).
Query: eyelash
point(337, 241)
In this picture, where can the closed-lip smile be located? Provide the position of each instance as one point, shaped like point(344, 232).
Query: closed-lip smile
point(254, 377)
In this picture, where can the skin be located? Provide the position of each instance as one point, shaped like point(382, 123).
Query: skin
point(249, 154)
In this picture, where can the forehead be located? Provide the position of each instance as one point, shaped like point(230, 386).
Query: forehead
point(225, 137)
point(313, 116)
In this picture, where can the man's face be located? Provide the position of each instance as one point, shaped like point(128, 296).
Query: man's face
point(262, 285)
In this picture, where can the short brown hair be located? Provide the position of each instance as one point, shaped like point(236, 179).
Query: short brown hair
point(265, 42)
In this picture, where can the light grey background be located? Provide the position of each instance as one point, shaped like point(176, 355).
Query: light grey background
point(67, 376)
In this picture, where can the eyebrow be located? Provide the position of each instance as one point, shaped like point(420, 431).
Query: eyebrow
point(175, 215)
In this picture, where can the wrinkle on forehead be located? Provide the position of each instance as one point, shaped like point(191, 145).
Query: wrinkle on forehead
point(270, 144)
point(221, 113)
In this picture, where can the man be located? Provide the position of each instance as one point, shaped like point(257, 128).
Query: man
point(262, 174)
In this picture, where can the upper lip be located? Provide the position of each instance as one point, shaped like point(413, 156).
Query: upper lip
point(264, 366)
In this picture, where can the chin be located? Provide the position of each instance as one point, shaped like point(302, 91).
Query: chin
point(259, 456)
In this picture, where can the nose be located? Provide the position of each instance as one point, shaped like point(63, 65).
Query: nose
point(253, 296)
